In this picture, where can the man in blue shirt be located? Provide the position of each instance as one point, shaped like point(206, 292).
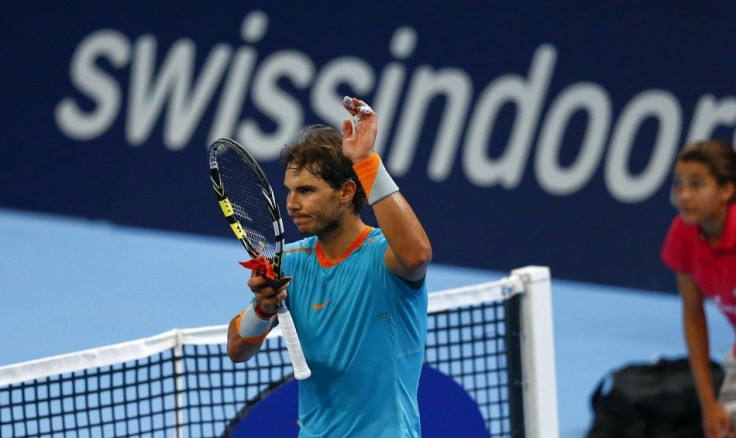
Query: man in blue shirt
point(358, 295)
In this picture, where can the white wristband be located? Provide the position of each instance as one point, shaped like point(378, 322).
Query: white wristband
point(374, 178)
point(251, 327)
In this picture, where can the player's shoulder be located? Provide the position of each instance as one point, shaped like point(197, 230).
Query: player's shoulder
point(303, 247)
point(374, 237)
point(374, 241)
point(375, 234)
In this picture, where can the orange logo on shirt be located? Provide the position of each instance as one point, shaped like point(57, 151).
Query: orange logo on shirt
point(319, 306)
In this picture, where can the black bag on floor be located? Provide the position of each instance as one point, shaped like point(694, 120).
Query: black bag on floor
point(652, 400)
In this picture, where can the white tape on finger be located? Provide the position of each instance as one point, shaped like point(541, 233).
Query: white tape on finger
point(363, 109)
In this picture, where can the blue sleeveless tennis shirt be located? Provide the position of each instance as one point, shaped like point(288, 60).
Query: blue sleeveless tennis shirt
point(363, 332)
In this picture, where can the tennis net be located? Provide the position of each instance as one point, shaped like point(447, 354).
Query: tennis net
point(492, 339)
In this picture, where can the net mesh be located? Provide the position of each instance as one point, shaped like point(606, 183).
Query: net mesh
point(194, 390)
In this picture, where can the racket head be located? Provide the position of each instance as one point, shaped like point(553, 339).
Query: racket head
point(247, 200)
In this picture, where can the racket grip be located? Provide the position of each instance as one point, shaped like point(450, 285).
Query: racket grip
point(293, 346)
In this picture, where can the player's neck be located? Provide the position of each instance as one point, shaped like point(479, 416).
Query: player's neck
point(334, 243)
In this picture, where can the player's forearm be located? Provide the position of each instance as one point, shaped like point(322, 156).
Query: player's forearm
point(410, 250)
point(238, 349)
point(404, 232)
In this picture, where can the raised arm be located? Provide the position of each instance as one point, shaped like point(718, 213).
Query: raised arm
point(409, 251)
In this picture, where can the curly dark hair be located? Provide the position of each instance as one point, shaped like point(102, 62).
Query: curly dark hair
point(319, 150)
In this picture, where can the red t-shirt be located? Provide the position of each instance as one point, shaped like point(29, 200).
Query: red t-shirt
point(713, 267)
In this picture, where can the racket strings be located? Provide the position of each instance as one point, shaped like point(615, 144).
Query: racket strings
point(251, 208)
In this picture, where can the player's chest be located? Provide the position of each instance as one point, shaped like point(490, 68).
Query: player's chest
point(335, 297)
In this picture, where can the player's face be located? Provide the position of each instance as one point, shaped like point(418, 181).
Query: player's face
point(311, 203)
point(699, 197)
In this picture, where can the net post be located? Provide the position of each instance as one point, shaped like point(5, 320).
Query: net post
point(516, 382)
point(179, 385)
point(538, 354)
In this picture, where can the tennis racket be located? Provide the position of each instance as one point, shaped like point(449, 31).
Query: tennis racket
point(249, 205)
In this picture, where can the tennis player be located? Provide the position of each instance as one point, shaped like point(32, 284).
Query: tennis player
point(357, 293)
point(701, 248)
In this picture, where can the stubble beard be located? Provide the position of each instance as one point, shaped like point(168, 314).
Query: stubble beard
point(329, 228)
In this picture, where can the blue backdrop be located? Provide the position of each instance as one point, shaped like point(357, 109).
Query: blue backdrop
point(522, 134)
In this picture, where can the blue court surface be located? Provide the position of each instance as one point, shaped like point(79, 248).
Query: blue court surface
point(70, 284)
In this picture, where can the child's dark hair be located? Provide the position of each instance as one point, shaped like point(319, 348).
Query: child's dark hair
point(718, 156)
point(319, 150)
